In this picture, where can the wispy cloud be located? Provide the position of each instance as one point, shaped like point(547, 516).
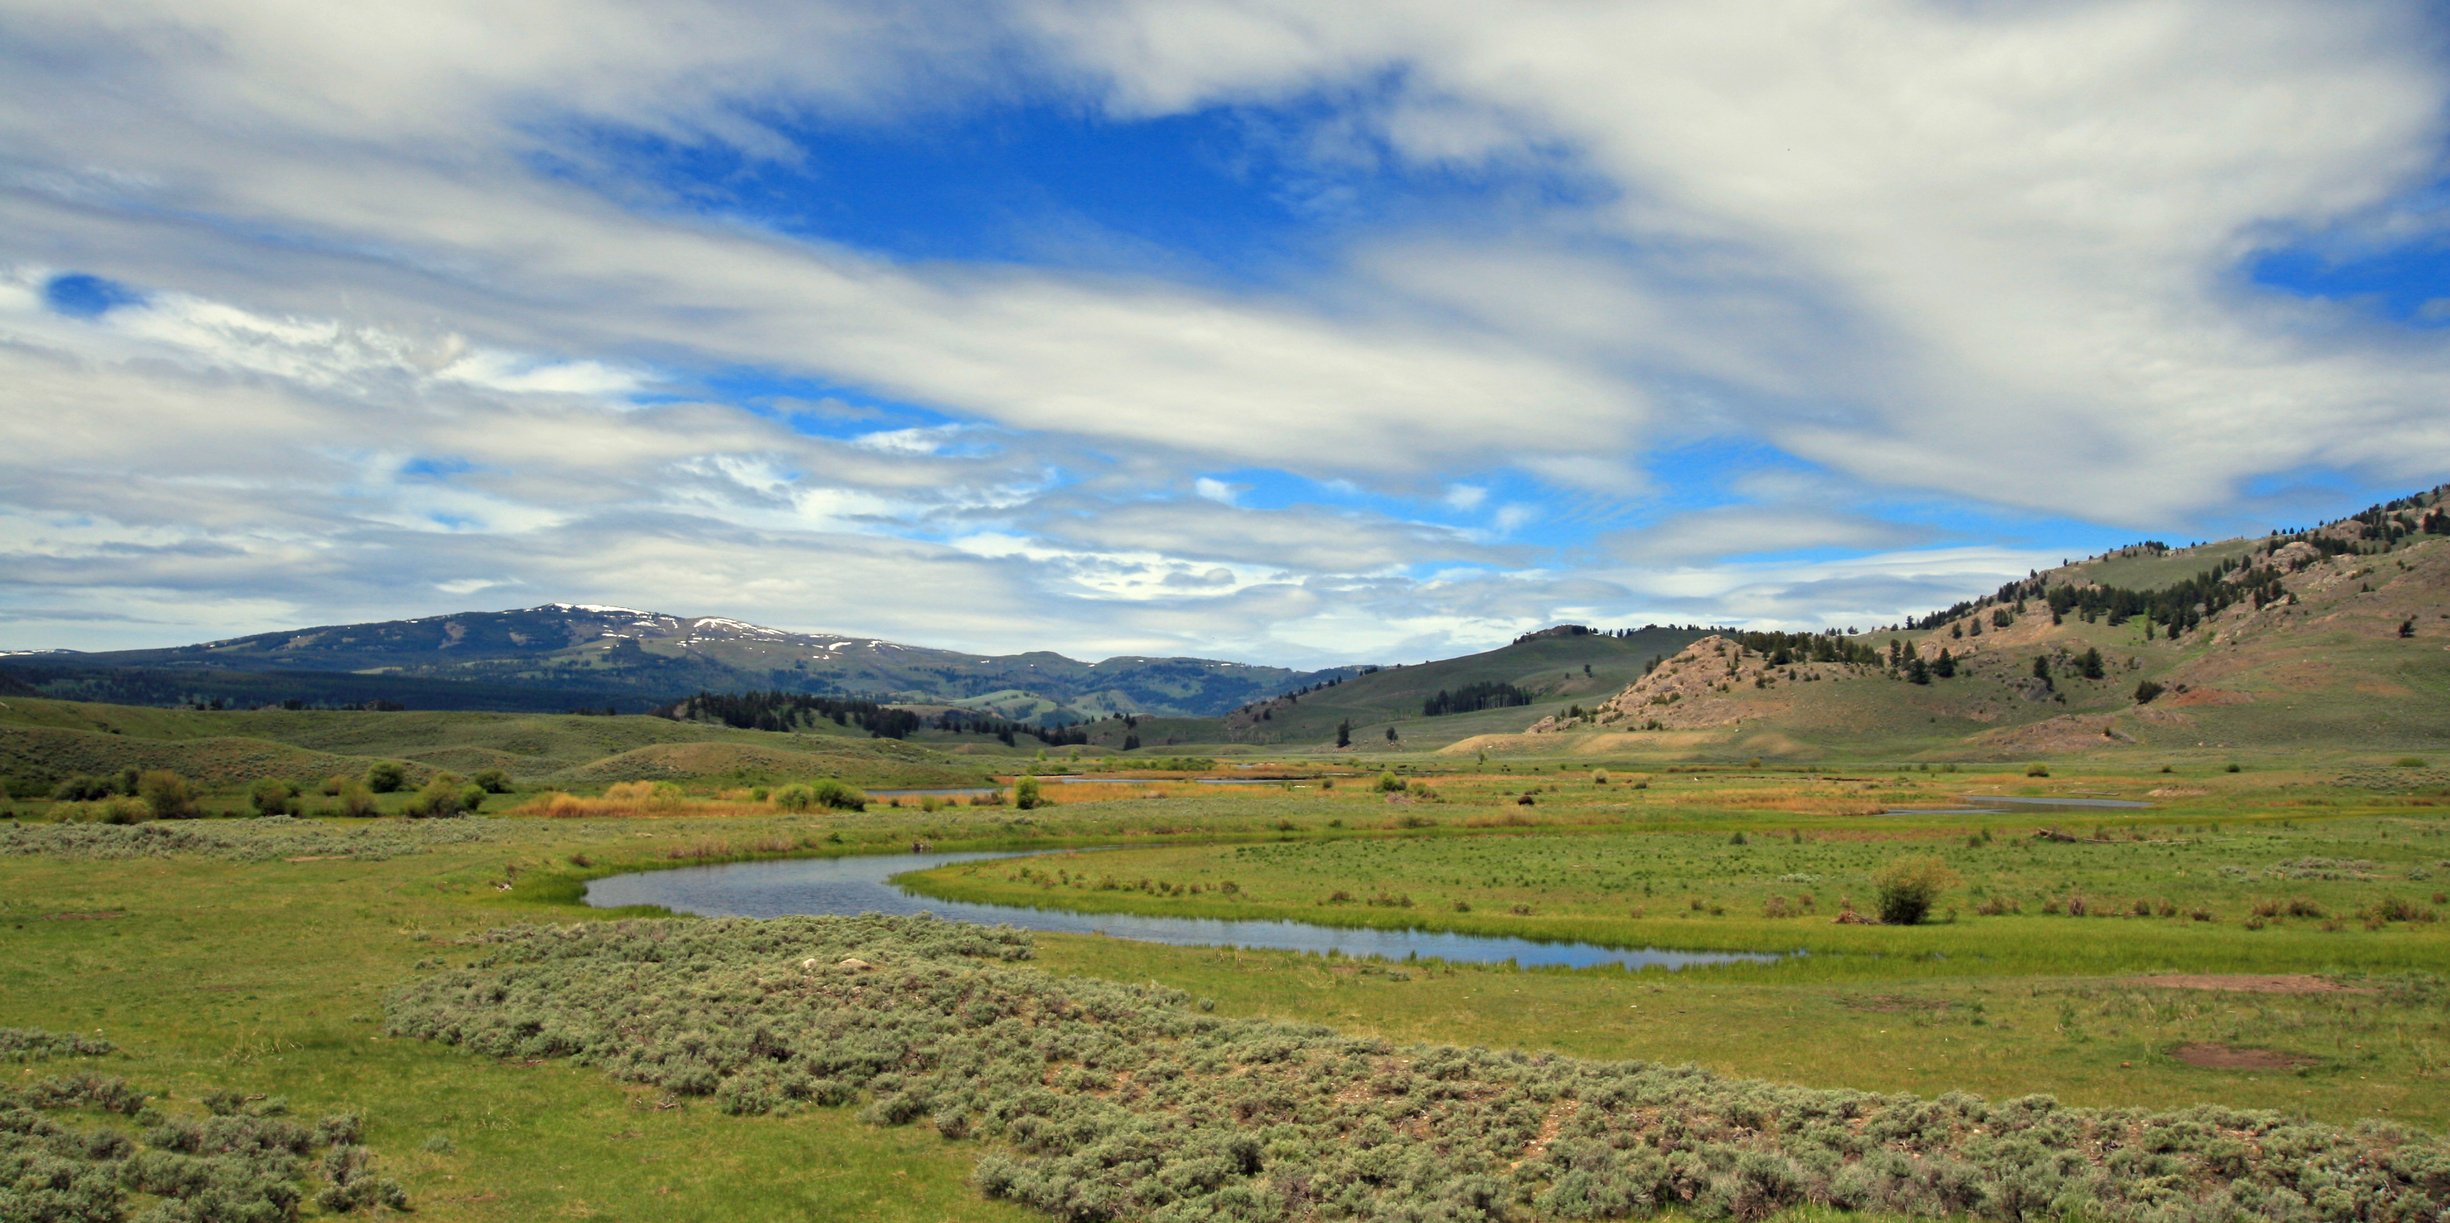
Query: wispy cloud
point(272, 267)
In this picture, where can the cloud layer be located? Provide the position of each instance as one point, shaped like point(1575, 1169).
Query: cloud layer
point(392, 309)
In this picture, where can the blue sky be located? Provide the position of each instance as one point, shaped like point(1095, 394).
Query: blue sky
point(1283, 332)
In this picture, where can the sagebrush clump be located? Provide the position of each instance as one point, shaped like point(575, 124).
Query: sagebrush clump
point(243, 1163)
point(1131, 1102)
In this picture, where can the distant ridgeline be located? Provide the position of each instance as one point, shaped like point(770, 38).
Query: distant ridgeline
point(2182, 606)
point(1584, 630)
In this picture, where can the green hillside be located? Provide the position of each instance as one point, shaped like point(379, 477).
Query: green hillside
point(1555, 670)
point(47, 741)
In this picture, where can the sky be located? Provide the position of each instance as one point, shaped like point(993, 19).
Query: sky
point(1290, 332)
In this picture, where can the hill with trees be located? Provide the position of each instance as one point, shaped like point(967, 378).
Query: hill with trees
point(2335, 636)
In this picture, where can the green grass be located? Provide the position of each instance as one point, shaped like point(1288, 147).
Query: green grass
point(54, 739)
point(269, 975)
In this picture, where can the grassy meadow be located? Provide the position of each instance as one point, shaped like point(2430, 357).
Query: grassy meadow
point(258, 956)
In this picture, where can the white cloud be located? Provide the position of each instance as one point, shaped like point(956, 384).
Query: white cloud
point(1986, 250)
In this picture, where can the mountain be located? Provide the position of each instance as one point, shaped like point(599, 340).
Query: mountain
point(2332, 639)
point(563, 654)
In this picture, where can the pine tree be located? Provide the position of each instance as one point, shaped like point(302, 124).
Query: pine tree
point(1344, 733)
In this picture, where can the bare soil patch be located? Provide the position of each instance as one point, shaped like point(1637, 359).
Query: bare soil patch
point(2247, 983)
point(2204, 1055)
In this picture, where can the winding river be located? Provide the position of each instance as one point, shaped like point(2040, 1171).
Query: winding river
point(848, 886)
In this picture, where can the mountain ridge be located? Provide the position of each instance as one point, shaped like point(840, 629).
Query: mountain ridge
point(599, 649)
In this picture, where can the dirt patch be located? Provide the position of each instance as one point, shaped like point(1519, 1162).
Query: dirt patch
point(2209, 696)
point(80, 916)
point(2207, 1056)
point(2177, 792)
point(2245, 983)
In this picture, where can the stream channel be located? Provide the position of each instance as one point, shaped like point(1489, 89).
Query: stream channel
point(855, 885)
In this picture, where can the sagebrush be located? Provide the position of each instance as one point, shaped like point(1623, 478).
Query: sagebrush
point(1130, 1102)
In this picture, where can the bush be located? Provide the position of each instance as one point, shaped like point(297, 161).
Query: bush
point(84, 788)
point(167, 794)
point(272, 796)
point(1025, 794)
point(386, 777)
point(840, 796)
point(443, 797)
point(356, 801)
point(2037, 770)
point(116, 809)
point(1906, 888)
point(1389, 783)
point(828, 793)
point(493, 781)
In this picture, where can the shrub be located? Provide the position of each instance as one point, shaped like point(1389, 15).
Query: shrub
point(2409, 762)
point(1026, 795)
point(840, 796)
point(2037, 770)
point(356, 801)
point(1906, 888)
point(443, 797)
point(84, 788)
point(386, 777)
point(167, 794)
point(2146, 692)
point(493, 781)
point(272, 796)
point(1389, 783)
point(241, 1164)
point(1107, 1101)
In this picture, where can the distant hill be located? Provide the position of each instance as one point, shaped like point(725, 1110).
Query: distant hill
point(2335, 638)
point(561, 656)
point(1548, 670)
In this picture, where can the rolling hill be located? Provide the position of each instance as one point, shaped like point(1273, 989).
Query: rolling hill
point(2332, 639)
point(45, 741)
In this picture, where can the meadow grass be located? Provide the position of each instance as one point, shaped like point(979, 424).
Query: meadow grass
point(269, 975)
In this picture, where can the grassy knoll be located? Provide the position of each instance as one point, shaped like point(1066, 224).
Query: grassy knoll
point(238, 966)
